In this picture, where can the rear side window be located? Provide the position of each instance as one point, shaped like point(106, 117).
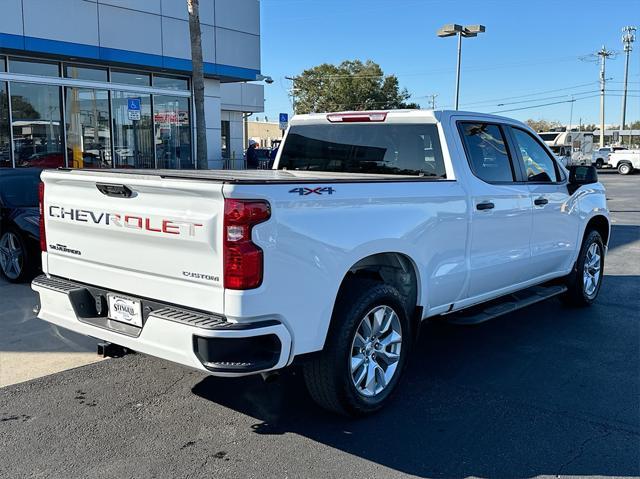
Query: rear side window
point(390, 149)
point(538, 165)
point(487, 152)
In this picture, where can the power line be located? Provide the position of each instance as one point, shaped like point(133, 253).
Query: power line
point(544, 104)
point(530, 94)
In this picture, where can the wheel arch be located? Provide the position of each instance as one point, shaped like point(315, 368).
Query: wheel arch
point(599, 223)
point(391, 267)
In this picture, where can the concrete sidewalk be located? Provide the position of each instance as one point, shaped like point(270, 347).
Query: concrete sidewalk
point(31, 348)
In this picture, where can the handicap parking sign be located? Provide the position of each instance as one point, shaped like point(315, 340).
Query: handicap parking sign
point(284, 121)
point(133, 108)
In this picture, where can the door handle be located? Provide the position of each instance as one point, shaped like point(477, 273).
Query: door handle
point(485, 205)
point(540, 201)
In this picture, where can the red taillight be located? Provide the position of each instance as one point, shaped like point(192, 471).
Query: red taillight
point(357, 116)
point(243, 261)
point(43, 233)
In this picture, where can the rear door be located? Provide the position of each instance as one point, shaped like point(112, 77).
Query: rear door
point(556, 217)
point(501, 211)
point(140, 235)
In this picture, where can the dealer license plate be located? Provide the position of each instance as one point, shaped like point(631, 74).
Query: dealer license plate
point(125, 310)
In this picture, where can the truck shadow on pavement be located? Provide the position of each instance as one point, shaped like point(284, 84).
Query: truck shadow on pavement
point(548, 390)
point(622, 235)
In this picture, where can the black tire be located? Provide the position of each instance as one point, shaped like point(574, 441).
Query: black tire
point(25, 261)
point(599, 163)
point(577, 294)
point(328, 375)
point(625, 168)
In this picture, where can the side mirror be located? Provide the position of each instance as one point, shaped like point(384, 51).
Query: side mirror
point(582, 175)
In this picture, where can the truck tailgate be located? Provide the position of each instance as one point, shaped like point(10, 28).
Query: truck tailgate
point(143, 235)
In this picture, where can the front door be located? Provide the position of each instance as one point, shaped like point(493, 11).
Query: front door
point(556, 220)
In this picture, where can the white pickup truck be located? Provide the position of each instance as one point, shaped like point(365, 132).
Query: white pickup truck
point(625, 161)
point(370, 223)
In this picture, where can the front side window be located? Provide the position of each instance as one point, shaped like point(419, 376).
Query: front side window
point(539, 166)
point(487, 152)
point(391, 149)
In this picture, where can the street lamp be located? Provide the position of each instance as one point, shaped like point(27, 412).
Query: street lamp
point(452, 29)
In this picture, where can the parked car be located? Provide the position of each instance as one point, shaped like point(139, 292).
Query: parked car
point(371, 223)
point(625, 161)
point(19, 223)
point(601, 156)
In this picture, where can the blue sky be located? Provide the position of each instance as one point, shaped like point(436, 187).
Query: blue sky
point(530, 51)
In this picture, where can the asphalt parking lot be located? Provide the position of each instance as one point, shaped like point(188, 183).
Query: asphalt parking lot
point(546, 391)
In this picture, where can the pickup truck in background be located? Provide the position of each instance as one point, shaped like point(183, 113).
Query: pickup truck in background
point(625, 161)
point(369, 223)
point(601, 155)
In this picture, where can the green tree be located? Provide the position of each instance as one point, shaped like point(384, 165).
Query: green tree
point(351, 85)
point(543, 125)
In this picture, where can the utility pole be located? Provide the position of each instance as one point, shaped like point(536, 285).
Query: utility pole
point(603, 53)
point(433, 100)
point(571, 114)
point(628, 37)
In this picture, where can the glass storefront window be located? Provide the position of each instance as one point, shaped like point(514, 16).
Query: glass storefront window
point(130, 78)
point(3, 67)
point(88, 131)
point(5, 136)
point(31, 67)
point(226, 133)
point(173, 132)
point(36, 123)
point(85, 73)
point(132, 138)
point(170, 83)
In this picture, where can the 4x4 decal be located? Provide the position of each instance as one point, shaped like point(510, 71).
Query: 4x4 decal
point(310, 191)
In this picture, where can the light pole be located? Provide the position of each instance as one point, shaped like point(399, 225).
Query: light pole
point(628, 37)
point(452, 29)
point(293, 92)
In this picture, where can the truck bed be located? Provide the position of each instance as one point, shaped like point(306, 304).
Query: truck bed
point(253, 176)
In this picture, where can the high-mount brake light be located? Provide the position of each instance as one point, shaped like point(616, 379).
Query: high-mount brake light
point(243, 259)
point(356, 117)
point(43, 233)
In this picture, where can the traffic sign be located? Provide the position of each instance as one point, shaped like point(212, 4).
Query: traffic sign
point(284, 121)
point(133, 108)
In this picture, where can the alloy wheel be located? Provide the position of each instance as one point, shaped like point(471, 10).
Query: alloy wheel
point(11, 255)
point(375, 351)
point(592, 270)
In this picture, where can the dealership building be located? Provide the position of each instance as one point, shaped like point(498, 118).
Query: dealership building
point(107, 83)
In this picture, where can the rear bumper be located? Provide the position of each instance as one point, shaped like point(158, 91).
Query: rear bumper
point(199, 340)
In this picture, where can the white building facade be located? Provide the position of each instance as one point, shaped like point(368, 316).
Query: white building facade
point(107, 83)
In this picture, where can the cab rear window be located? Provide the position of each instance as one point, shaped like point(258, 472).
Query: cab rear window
point(390, 149)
